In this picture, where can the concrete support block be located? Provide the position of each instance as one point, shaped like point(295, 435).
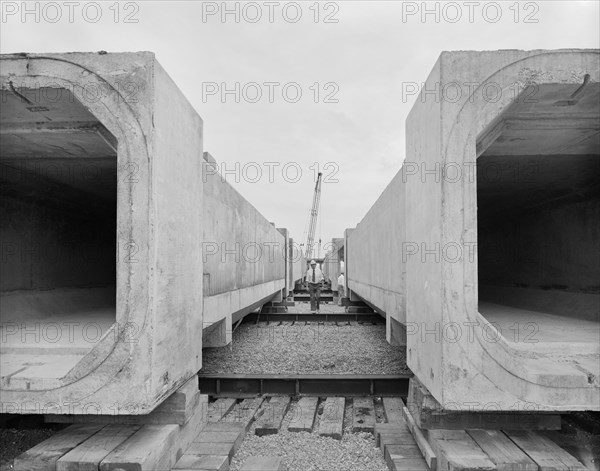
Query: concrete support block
point(279, 296)
point(395, 333)
point(218, 334)
point(353, 297)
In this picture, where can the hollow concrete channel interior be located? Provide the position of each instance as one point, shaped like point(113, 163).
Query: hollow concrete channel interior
point(58, 230)
point(538, 222)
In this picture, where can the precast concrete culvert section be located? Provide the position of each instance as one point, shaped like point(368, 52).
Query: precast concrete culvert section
point(484, 250)
point(93, 263)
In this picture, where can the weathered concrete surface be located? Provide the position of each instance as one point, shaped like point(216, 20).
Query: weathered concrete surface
point(243, 253)
point(297, 262)
point(288, 267)
point(478, 110)
point(333, 263)
point(133, 114)
point(375, 259)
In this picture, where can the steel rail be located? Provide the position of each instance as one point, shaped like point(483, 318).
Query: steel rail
point(321, 317)
point(249, 385)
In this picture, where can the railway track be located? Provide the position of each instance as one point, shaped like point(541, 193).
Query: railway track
point(265, 429)
point(250, 385)
point(345, 317)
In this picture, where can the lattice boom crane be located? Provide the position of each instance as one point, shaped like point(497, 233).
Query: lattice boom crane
point(313, 218)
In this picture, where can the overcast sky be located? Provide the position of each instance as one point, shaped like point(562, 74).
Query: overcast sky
point(352, 58)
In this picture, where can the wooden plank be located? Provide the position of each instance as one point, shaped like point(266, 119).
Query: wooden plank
point(384, 427)
point(502, 451)
point(363, 414)
point(403, 451)
point(88, 455)
point(429, 415)
point(331, 423)
point(220, 449)
point(223, 427)
point(393, 409)
point(408, 465)
point(44, 455)
point(188, 432)
point(157, 446)
point(576, 448)
point(205, 444)
point(219, 408)
point(456, 450)
point(176, 409)
point(220, 437)
point(420, 439)
point(304, 415)
point(203, 463)
point(263, 463)
point(183, 397)
point(148, 448)
point(395, 438)
point(180, 406)
point(233, 439)
point(396, 443)
point(244, 411)
point(405, 458)
point(272, 415)
point(547, 454)
point(153, 418)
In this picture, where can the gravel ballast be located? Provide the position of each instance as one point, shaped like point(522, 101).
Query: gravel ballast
point(306, 349)
point(304, 451)
point(14, 441)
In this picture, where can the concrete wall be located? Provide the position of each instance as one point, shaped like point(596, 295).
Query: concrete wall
point(244, 256)
point(155, 345)
point(518, 256)
point(348, 264)
point(423, 227)
point(48, 245)
point(287, 249)
point(298, 262)
point(334, 261)
point(546, 255)
point(374, 250)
